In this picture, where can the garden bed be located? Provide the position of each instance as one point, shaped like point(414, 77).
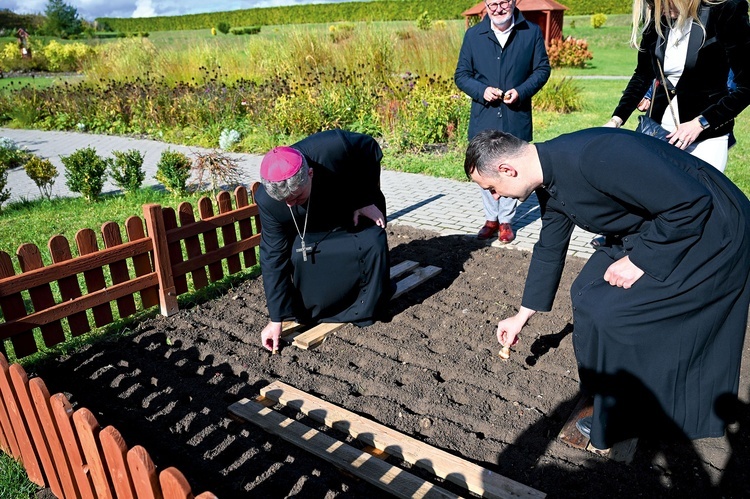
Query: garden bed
point(430, 371)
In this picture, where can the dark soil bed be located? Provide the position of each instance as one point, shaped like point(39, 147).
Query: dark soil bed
point(431, 371)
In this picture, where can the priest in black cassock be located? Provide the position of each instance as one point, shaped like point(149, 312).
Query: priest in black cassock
point(323, 250)
point(660, 315)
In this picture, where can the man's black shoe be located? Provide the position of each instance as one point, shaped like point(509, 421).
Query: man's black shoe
point(584, 426)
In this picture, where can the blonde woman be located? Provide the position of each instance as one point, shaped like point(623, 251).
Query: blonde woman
point(694, 44)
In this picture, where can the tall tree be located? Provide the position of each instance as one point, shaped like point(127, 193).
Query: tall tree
point(62, 19)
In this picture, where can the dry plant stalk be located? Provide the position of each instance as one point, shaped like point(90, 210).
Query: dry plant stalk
point(217, 168)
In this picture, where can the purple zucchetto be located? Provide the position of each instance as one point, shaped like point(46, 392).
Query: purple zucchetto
point(280, 163)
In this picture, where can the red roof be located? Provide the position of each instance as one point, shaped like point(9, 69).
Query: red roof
point(523, 6)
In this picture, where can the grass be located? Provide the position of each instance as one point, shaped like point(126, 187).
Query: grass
point(14, 483)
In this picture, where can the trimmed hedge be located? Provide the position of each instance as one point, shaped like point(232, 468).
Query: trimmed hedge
point(248, 30)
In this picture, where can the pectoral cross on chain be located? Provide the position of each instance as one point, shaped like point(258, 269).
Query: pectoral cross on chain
point(304, 250)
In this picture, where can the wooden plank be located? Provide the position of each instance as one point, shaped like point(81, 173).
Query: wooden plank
point(5, 421)
point(87, 428)
point(174, 485)
point(81, 264)
point(142, 261)
point(175, 250)
point(375, 471)
point(13, 307)
point(17, 420)
point(143, 471)
point(118, 270)
point(569, 433)
point(316, 334)
point(245, 225)
point(115, 455)
point(59, 250)
point(11, 328)
point(40, 396)
point(229, 232)
point(63, 413)
point(210, 238)
point(41, 296)
point(442, 464)
point(21, 385)
point(192, 245)
point(86, 242)
point(213, 222)
point(402, 268)
point(419, 276)
point(167, 294)
point(216, 255)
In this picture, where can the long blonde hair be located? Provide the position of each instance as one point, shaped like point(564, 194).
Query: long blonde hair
point(647, 11)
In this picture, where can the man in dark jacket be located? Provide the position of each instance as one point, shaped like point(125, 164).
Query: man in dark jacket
point(323, 250)
point(502, 64)
point(663, 310)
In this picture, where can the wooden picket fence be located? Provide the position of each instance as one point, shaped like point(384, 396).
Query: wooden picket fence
point(157, 259)
point(69, 453)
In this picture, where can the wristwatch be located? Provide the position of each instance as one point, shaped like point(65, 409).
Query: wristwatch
point(703, 122)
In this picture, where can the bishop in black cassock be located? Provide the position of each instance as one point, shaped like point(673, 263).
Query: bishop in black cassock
point(660, 315)
point(323, 251)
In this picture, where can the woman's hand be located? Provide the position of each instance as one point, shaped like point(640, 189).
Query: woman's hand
point(686, 134)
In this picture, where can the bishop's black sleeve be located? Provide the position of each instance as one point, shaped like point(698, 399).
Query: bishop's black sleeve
point(275, 261)
point(547, 259)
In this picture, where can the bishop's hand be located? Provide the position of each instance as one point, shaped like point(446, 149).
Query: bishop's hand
point(623, 273)
point(373, 213)
point(270, 335)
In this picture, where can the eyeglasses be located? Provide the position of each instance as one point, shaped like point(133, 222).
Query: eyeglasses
point(498, 5)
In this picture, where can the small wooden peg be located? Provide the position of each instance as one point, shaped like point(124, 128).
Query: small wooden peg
point(504, 352)
point(275, 351)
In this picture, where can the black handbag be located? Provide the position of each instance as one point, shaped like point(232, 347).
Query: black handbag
point(649, 126)
point(646, 124)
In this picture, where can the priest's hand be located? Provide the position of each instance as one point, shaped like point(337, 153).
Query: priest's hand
point(623, 273)
point(508, 329)
point(270, 335)
point(373, 213)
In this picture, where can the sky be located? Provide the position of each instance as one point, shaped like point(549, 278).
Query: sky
point(91, 9)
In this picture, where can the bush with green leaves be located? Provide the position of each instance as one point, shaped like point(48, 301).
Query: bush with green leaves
point(598, 20)
point(424, 21)
point(4, 193)
point(340, 32)
point(173, 171)
point(247, 30)
point(43, 173)
point(126, 170)
point(223, 27)
point(85, 172)
point(11, 156)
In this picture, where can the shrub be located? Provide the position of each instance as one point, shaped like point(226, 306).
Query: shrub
point(213, 31)
point(43, 173)
point(216, 167)
point(229, 139)
point(424, 21)
point(569, 53)
point(440, 24)
point(249, 30)
point(173, 171)
point(559, 95)
point(126, 170)
point(66, 57)
point(84, 172)
point(598, 20)
point(4, 193)
point(11, 156)
point(223, 27)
